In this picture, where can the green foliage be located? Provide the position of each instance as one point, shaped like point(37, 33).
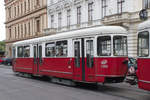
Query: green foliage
point(2, 46)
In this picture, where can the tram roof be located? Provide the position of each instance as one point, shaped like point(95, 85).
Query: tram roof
point(144, 25)
point(100, 30)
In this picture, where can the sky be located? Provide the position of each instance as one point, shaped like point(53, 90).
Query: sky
point(2, 20)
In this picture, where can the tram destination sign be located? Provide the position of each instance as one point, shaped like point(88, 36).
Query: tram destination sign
point(143, 14)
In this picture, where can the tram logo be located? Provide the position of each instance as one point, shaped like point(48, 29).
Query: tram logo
point(103, 62)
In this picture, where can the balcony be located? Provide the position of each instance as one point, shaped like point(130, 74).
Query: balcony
point(49, 31)
point(116, 18)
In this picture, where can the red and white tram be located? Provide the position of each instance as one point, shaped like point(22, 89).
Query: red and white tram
point(143, 61)
point(92, 55)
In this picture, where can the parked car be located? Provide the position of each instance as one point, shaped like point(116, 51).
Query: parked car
point(1, 61)
point(7, 61)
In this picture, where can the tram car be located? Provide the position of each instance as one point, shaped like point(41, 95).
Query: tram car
point(143, 61)
point(91, 55)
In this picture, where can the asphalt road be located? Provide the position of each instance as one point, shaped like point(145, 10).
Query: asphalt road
point(13, 87)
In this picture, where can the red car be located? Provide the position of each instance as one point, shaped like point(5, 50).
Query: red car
point(1, 61)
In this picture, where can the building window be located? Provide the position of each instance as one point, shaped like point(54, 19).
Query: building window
point(79, 15)
point(38, 25)
point(104, 8)
point(22, 35)
point(25, 6)
point(68, 17)
point(18, 31)
point(146, 4)
point(52, 21)
point(15, 11)
point(9, 12)
point(18, 10)
point(37, 2)
point(21, 8)
point(15, 33)
point(59, 19)
point(25, 30)
point(120, 6)
point(90, 11)
point(10, 33)
point(29, 28)
point(28, 4)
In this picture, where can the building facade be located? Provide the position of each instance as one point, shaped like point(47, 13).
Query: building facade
point(66, 15)
point(25, 19)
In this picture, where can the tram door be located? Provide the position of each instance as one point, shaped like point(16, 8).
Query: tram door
point(79, 64)
point(89, 60)
point(83, 59)
point(37, 53)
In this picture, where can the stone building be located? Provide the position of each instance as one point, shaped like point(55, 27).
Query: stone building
point(25, 19)
point(66, 15)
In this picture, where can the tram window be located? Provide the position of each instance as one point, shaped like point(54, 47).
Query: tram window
point(77, 53)
point(61, 48)
point(20, 51)
point(143, 44)
point(26, 51)
point(89, 53)
point(50, 49)
point(104, 46)
point(120, 45)
point(14, 52)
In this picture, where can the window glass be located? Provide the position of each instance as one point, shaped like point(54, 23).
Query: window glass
point(61, 48)
point(26, 51)
point(143, 44)
point(120, 45)
point(89, 53)
point(14, 52)
point(77, 53)
point(20, 51)
point(104, 46)
point(50, 49)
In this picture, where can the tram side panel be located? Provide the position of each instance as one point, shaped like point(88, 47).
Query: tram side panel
point(143, 73)
point(57, 67)
point(23, 65)
point(111, 69)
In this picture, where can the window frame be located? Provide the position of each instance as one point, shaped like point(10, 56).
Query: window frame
point(90, 11)
point(79, 15)
point(68, 17)
point(148, 44)
point(146, 4)
point(59, 20)
point(24, 51)
point(98, 47)
point(121, 44)
point(52, 21)
point(56, 48)
point(90, 60)
point(120, 6)
point(21, 55)
point(47, 47)
point(104, 8)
